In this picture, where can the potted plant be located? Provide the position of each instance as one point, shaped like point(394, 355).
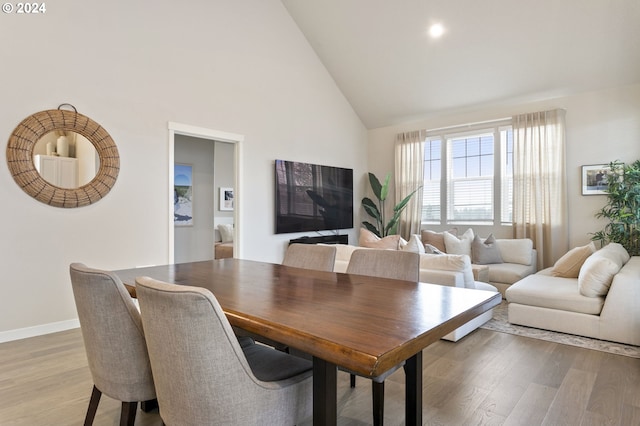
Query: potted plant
point(377, 211)
point(622, 208)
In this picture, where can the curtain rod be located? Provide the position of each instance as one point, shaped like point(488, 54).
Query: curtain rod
point(478, 123)
point(467, 125)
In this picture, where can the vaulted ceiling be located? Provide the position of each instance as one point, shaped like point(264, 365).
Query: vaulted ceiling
point(492, 52)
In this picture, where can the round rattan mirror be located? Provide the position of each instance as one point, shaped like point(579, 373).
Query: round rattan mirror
point(20, 151)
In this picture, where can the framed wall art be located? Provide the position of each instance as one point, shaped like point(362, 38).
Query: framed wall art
point(594, 179)
point(183, 195)
point(226, 199)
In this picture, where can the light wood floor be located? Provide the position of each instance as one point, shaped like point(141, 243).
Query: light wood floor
point(487, 378)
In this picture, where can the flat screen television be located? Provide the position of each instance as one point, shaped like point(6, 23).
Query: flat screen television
point(311, 197)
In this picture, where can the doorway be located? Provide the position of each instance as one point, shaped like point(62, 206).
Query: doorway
point(205, 233)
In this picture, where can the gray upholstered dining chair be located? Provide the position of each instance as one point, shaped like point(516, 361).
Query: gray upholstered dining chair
point(114, 341)
point(394, 264)
point(204, 376)
point(310, 256)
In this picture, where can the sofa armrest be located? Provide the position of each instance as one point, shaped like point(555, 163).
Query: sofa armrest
point(620, 316)
point(441, 277)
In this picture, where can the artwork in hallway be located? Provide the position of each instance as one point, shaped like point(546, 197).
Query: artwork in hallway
point(183, 195)
point(226, 198)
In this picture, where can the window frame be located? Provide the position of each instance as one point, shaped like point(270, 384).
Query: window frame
point(445, 135)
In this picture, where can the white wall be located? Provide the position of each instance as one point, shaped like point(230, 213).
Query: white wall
point(239, 67)
point(601, 127)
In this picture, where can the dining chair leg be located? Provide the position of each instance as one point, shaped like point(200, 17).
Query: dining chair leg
point(377, 390)
point(93, 406)
point(128, 413)
point(352, 381)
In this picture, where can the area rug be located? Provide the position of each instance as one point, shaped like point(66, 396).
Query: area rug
point(500, 323)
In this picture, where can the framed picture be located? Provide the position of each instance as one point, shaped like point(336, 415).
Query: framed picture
point(226, 198)
point(594, 179)
point(183, 195)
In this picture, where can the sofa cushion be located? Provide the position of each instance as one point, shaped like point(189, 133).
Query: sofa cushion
point(436, 239)
point(462, 245)
point(568, 266)
point(370, 240)
point(509, 273)
point(343, 256)
point(485, 286)
point(546, 291)
point(485, 252)
point(449, 262)
point(598, 270)
point(517, 250)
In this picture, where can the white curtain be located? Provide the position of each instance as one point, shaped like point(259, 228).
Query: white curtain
point(408, 177)
point(539, 183)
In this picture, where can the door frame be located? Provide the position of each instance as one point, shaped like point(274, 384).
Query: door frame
point(213, 136)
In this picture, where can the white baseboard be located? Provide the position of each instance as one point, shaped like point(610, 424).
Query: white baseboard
point(38, 330)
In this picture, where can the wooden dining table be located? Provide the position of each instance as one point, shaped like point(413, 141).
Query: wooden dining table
point(365, 324)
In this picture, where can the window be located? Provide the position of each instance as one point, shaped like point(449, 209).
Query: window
point(474, 183)
point(431, 186)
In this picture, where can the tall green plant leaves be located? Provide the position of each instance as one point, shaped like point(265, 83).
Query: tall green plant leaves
point(397, 211)
point(381, 191)
point(622, 208)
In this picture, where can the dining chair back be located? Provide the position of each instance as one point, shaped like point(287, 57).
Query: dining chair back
point(114, 341)
point(393, 264)
point(310, 256)
point(204, 376)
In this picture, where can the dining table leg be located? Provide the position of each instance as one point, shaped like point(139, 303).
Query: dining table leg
point(325, 378)
point(413, 390)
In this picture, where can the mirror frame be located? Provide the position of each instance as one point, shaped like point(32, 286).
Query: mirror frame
point(20, 158)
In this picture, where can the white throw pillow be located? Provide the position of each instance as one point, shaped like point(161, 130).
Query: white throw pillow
point(617, 251)
point(226, 232)
point(413, 245)
point(597, 272)
point(462, 245)
point(516, 250)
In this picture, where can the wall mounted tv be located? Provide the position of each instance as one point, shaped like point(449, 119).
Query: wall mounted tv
point(310, 197)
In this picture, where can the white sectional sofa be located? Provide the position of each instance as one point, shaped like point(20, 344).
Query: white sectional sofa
point(449, 270)
point(500, 262)
point(602, 302)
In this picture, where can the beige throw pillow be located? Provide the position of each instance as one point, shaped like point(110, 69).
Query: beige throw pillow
point(485, 252)
point(436, 239)
point(370, 240)
point(568, 266)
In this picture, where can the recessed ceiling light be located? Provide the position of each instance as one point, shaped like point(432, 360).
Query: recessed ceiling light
point(436, 30)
